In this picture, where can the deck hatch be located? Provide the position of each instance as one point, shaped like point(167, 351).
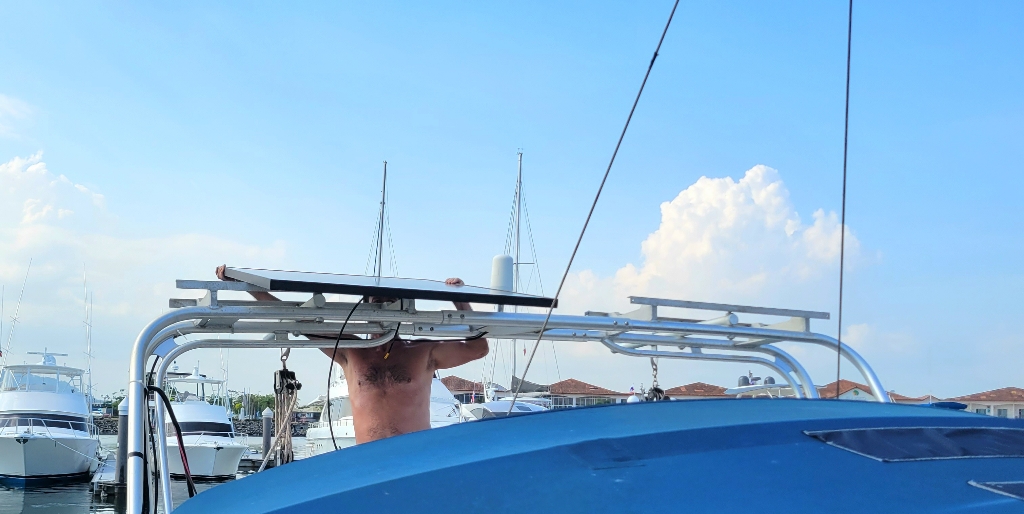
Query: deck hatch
point(1011, 489)
point(926, 443)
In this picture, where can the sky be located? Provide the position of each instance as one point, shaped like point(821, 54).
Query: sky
point(144, 143)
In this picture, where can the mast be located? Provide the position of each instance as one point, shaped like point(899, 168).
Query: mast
point(380, 224)
point(515, 251)
point(519, 209)
point(17, 311)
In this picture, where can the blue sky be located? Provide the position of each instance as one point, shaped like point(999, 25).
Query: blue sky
point(254, 134)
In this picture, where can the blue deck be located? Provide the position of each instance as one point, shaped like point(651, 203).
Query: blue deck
point(682, 456)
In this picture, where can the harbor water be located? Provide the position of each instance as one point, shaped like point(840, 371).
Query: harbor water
point(75, 498)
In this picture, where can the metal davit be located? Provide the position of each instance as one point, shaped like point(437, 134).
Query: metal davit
point(720, 337)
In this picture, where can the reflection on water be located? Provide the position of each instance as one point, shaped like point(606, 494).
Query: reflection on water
point(76, 498)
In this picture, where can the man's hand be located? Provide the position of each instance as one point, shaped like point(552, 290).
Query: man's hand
point(457, 282)
point(220, 273)
point(259, 295)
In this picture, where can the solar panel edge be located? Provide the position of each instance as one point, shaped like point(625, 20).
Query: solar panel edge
point(251, 276)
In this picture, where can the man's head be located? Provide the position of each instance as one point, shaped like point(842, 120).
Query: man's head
point(381, 299)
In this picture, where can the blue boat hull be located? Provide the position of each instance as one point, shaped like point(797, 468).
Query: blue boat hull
point(682, 456)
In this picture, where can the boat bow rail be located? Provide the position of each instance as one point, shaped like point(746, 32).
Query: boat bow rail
point(278, 324)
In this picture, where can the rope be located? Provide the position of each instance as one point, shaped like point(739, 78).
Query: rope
point(279, 435)
point(48, 435)
point(593, 206)
point(842, 228)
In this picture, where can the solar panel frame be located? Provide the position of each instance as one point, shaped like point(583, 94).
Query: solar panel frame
point(392, 287)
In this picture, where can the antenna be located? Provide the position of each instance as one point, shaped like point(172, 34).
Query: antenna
point(17, 312)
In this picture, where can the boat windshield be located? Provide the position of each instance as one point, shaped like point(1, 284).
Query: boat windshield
point(49, 379)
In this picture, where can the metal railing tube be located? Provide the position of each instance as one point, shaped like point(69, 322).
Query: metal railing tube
point(858, 362)
point(633, 341)
point(161, 374)
point(701, 356)
point(805, 382)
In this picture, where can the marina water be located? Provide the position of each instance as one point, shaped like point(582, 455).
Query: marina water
point(75, 498)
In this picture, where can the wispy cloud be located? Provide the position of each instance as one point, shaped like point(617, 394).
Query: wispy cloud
point(12, 110)
point(64, 227)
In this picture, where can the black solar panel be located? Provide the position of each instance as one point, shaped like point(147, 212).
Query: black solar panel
point(406, 288)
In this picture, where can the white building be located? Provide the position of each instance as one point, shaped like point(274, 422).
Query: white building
point(1007, 402)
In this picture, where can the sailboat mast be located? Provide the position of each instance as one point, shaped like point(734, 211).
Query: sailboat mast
point(17, 312)
point(515, 251)
point(91, 399)
point(380, 225)
point(87, 303)
point(519, 209)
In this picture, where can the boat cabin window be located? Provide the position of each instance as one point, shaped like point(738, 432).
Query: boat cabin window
point(43, 420)
point(46, 379)
point(202, 428)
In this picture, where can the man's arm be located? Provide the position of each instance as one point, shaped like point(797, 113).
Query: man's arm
point(456, 353)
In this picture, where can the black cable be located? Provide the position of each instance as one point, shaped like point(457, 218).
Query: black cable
point(152, 443)
point(181, 443)
point(330, 371)
point(842, 223)
point(593, 206)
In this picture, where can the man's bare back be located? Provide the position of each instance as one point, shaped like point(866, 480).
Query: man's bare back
point(391, 396)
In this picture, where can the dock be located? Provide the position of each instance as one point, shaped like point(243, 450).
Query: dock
point(250, 463)
point(104, 480)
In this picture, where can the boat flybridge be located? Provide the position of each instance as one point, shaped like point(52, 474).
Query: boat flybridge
point(207, 432)
point(46, 429)
point(919, 458)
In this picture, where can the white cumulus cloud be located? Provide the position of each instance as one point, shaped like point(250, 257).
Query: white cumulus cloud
point(731, 241)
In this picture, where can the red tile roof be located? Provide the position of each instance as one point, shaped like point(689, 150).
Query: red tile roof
point(897, 397)
point(845, 386)
point(573, 386)
point(696, 389)
point(461, 385)
point(1006, 394)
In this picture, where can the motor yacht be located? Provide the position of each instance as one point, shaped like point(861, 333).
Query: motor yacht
point(201, 407)
point(46, 429)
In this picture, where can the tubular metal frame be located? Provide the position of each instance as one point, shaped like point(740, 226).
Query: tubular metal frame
point(625, 334)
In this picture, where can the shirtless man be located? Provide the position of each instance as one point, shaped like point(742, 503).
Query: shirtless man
point(391, 396)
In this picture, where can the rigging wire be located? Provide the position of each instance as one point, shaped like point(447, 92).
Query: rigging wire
point(842, 223)
point(593, 205)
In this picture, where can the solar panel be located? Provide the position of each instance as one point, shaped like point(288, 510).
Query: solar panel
point(406, 288)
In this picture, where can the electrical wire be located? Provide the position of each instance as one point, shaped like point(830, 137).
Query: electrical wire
point(842, 223)
point(191, 485)
point(330, 371)
point(593, 206)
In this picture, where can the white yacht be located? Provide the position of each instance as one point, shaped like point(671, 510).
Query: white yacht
point(498, 409)
point(444, 411)
point(46, 429)
point(207, 431)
